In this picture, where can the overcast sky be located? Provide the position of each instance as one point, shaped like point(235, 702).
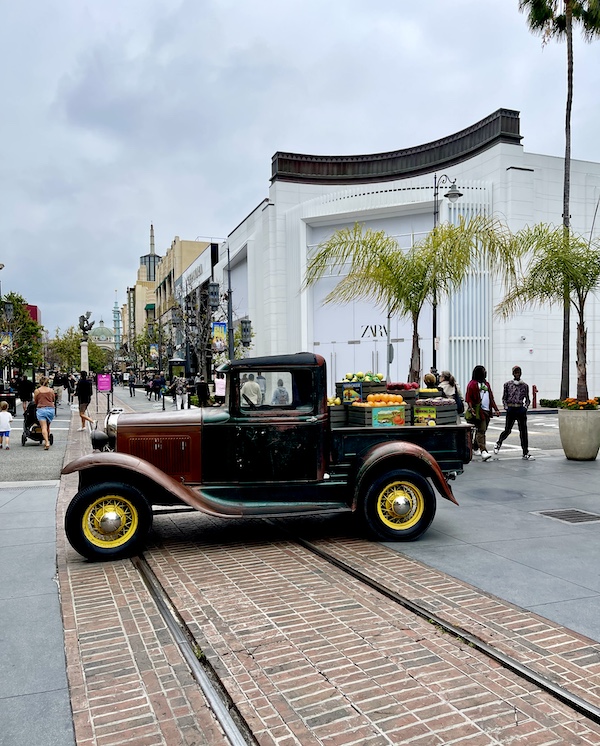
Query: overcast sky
point(118, 114)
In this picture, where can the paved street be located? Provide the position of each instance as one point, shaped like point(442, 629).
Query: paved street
point(497, 540)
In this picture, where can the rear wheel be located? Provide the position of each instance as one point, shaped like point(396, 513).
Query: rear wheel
point(108, 521)
point(23, 439)
point(399, 506)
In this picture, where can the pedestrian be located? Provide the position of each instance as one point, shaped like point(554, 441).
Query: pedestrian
point(480, 408)
point(262, 382)
point(44, 399)
point(251, 393)
point(515, 399)
point(25, 389)
point(58, 385)
point(430, 381)
point(5, 420)
point(131, 383)
point(181, 392)
point(280, 396)
point(449, 387)
point(83, 392)
point(156, 387)
point(71, 383)
point(220, 387)
point(202, 392)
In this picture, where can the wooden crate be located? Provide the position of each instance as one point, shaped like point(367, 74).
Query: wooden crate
point(409, 395)
point(370, 416)
point(338, 416)
point(366, 387)
point(429, 394)
point(444, 415)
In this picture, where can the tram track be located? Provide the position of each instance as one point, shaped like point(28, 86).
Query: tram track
point(223, 701)
point(544, 683)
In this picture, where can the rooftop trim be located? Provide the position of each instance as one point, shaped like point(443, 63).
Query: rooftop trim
point(503, 126)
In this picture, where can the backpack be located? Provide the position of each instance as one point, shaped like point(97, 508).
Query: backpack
point(460, 405)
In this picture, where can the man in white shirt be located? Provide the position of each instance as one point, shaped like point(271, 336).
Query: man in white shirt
point(251, 392)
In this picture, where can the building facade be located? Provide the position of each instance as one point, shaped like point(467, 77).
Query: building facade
point(311, 197)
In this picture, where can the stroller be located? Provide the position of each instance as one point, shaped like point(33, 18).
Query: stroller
point(31, 427)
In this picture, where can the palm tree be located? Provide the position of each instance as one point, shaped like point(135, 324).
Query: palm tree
point(556, 265)
point(554, 18)
point(373, 267)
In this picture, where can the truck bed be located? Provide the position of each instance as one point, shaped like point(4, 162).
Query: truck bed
point(450, 445)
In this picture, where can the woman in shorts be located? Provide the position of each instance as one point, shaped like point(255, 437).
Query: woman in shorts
point(44, 409)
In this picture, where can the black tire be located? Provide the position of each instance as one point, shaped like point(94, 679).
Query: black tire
point(23, 439)
point(416, 501)
point(51, 439)
point(131, 517)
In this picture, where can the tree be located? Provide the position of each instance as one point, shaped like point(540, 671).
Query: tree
point(556, 265)
point(64, 351)
point(23, 335)
point(554, 18)
point(401, 282)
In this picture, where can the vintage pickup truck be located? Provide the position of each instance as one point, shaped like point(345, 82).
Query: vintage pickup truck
point(269, 451)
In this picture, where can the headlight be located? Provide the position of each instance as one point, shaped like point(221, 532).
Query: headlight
point(110, 423)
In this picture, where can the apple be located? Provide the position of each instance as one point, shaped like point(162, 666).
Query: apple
point(349, 376)
point(360, 375)
point(337, 400)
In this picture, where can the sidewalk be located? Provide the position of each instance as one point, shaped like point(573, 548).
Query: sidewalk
point(496, 540)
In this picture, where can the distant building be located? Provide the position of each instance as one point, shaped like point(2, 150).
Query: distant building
point(103, 336)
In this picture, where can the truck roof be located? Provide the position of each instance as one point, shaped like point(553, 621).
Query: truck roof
point(274, 361)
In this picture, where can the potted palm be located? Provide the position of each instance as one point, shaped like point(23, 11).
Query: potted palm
point(579, 428)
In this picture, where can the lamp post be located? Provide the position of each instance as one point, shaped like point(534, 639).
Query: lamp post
point(452, 194)
point(230, 346)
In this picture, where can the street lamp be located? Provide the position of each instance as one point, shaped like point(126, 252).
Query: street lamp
point(246, 325)
point(452, 194)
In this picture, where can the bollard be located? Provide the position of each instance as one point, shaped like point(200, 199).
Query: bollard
point(534, 390)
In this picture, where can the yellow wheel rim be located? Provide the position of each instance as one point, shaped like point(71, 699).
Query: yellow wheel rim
point(109, 522)
point(403, 494)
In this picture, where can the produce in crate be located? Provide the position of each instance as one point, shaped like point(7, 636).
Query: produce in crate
point(380, 400)
point(333, 401)
point(402, 386)
point(368, 377)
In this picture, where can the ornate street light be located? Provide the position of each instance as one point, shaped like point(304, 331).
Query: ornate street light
point(453, 194)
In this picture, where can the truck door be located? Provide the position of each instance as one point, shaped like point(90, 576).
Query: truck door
point(276, 436)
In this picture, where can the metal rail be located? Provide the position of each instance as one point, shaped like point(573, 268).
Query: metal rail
point(572, 700)
point(234, 731)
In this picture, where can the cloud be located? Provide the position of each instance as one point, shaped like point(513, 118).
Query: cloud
point(119, 114)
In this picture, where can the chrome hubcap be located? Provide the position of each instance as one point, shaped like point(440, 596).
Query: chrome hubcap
point(110, 522)
point(401, 505)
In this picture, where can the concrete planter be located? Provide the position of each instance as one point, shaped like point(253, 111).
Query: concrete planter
point(579, 433)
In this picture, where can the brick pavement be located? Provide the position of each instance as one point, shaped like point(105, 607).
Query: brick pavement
point(128, 681)
point(313, 656)
point(309, 657)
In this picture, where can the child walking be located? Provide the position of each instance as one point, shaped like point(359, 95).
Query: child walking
point(5, 420)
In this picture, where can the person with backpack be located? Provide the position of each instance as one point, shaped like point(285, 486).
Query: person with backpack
point(515, 399)
point(481, 406)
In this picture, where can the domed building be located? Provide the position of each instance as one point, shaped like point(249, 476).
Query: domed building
point(103, 336)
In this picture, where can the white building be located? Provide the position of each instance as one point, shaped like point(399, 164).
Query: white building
point(312, 196)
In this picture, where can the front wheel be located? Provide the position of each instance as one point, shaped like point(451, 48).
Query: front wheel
point(108, 521)
point(399, 506)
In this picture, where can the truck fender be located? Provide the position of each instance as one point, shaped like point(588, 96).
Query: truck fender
point(138, 467)
point(411, 455)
